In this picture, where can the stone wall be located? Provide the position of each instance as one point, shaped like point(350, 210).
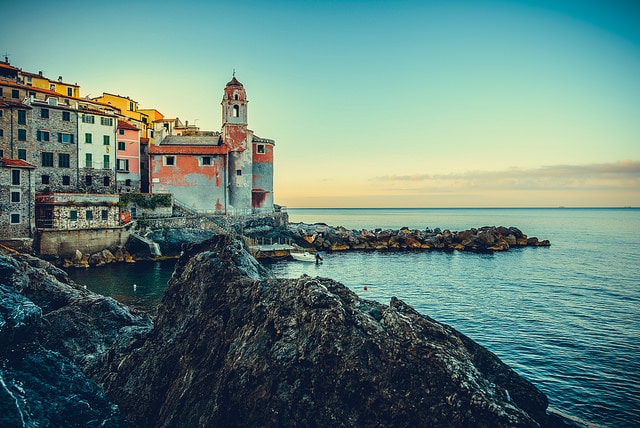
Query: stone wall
point(64, 243)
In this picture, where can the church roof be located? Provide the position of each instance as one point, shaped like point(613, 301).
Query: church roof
point(234, 82)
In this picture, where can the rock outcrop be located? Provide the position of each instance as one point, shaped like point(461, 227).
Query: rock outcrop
point(54, 333)
point(233, 346)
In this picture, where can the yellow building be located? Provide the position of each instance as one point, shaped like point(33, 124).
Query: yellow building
point(129, 109)
point(154, 117)
point(41, 82)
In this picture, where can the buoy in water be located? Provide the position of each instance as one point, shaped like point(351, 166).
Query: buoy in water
point(135, 286)
point(365, 287)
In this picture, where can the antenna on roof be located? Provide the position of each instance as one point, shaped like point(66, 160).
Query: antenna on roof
point(6, 57)
point(234, 72)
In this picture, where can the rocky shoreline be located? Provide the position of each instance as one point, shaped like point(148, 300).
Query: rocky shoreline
point(319, 237)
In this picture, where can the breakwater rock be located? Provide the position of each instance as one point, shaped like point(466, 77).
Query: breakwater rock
point(53, 335)
point(233, 346)
point(483, 239)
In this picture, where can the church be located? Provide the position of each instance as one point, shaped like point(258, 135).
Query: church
point(223, 172)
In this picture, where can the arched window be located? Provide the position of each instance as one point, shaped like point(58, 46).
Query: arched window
point(236, 110)
point(235, 97)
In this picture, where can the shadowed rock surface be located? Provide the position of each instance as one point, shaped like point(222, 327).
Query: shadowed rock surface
point(234, 347)
point(50, 329)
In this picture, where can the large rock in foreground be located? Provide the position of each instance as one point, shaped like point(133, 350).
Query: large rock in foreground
point(50, 331)
point(233, 346)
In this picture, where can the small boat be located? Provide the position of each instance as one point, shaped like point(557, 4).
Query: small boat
point(304, 257)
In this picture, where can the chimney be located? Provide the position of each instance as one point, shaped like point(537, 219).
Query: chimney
point(60, 79)
point(40, 73)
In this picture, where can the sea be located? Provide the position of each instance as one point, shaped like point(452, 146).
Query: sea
point(565, 317)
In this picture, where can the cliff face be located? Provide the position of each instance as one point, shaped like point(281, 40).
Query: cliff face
point(234, 347)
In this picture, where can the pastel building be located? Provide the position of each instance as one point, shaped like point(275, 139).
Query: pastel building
point(96, 148)
point(227, 172)
point(127, 157)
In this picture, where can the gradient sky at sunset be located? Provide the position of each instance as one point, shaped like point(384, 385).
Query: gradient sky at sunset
point(384, 103)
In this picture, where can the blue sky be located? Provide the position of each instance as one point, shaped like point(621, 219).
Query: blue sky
point(378, 103)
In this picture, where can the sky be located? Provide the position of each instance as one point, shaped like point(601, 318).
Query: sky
point(383, 103)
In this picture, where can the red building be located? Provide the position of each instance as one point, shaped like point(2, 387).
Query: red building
point(226, 172)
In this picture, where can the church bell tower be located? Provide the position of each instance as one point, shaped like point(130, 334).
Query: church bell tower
point(237, 139)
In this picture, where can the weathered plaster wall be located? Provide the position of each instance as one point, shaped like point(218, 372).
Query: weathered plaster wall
point(192, 183)
point(262, 193)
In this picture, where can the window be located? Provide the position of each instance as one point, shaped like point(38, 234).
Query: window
point(235, 97)
point(106, 121)
point(206, 160)
point(1, 130)
point(22, 154)
point(1, 153)
point(63, 160)
point(105, 215)
point(88, 180)
point(238, 172)
point(88, 138)
point(22, 135)
point(52, 86)
point(88, 160)
point(15, 177)
point(127, 182)
point(122, 145)
point(88, 214)
point(66, 180)
point(45, 179)
point(106, 181)
point(22, 117)
point(236, 110)
point(44, 113)
point(47, 159)
point(43, 135)
point(105, 161)
point(123, 164)
point(131, 106)
point(260, 149)
point(169, 160)
point(121, 131)
point(15, 196)
point(69, 92)
point(105, 140)
point(73, 215)
point(65, 137)
point(0, 96)
point(15, 93)
point(15, 218)
point(87, 118)
point(66, 116)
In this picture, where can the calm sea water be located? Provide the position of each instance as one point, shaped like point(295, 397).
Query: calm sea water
point(566, 317)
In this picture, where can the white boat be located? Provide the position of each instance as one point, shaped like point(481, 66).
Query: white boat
point(304, 257)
